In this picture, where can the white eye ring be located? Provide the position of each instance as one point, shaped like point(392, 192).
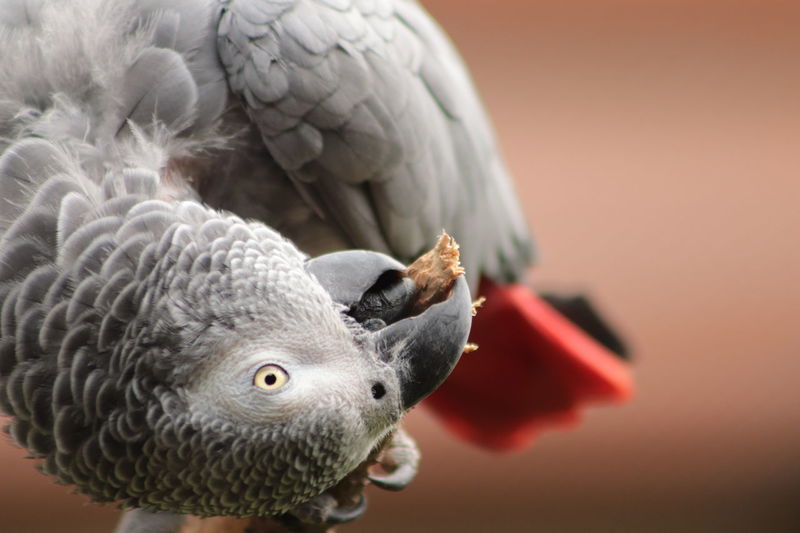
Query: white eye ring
point(270, 377)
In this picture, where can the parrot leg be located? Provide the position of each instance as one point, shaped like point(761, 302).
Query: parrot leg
point(400, 460)
point(141, 521)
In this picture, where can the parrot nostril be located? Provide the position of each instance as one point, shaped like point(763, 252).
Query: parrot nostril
point(378, 391)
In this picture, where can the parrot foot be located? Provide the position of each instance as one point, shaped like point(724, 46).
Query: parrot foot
point(400, 461)
point(397, 458)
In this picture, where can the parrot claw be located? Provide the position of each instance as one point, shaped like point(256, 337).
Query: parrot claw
point(396, 480)
point(325, 510)
point(400, 460)
point(339, 515)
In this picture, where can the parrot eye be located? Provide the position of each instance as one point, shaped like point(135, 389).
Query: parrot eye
point(270, 377)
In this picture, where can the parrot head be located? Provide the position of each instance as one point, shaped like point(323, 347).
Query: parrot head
point(252, 379)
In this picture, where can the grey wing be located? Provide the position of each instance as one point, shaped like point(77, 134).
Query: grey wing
point(370, 111)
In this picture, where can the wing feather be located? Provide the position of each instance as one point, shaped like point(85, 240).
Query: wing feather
point(367, 107)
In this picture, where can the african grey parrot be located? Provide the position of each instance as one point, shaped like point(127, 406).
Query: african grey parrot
point(169, 166)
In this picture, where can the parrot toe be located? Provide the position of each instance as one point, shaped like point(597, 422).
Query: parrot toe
point(340, 515)
point(325, 510)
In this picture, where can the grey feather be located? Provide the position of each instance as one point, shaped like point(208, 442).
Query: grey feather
point(160, 88)
point(21, 170)
point(305, 24)
point(33, 290)
point(21, 256)
point(54, 326)
point(37, 222)
point(70, 217)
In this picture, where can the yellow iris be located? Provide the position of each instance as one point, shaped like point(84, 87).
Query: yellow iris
point(270, 377)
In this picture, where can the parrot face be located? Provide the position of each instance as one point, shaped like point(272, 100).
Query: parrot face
point(305, 402)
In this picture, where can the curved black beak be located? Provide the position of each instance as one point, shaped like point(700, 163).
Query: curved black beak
point(423, 348)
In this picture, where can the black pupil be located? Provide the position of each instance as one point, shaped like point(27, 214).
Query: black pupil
point(270, 379)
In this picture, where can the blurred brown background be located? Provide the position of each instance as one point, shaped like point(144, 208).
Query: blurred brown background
point(656, 145)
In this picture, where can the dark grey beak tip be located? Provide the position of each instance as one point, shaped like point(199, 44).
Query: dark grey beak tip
point(427, 347)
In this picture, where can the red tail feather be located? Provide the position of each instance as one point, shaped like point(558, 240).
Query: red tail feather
point(534, 369)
